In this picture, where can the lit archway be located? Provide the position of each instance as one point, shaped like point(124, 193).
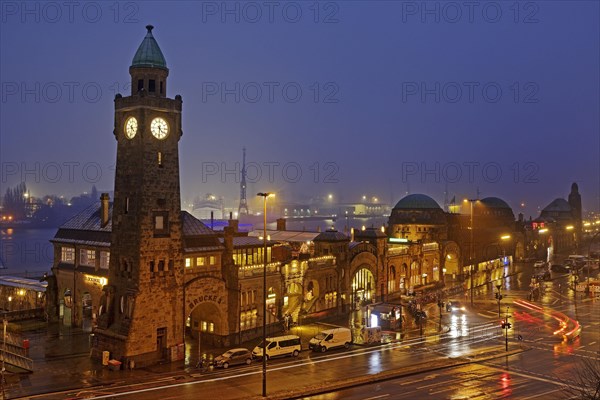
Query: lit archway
point(392, 286)
point(363, 286)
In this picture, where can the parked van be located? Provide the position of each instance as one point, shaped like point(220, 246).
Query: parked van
point(288, 345)
point(331, 339)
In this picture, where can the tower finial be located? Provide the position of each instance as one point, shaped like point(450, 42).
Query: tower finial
point(149, 27)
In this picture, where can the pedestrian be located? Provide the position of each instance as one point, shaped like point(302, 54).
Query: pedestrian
point(286, 319)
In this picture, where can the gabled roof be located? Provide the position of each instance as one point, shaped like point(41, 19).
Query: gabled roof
point(85, 228)
point(331, 235)
point(90, 220)
point(558, 205)
point(192, 226)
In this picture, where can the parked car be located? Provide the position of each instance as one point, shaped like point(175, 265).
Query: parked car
point(330, 339)
point(560, 268)
point(539, 264)
point(288, 345)
point(233, 357)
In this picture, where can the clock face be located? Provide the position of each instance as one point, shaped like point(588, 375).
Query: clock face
point(131, 127)
point(159, 128)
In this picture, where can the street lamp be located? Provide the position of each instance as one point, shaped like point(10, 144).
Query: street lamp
point(471, 249)
point(4, 324)
point(264, 338)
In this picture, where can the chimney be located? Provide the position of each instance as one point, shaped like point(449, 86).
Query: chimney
point(281, 224)
point(228, 239)
point(104, 209)
point(233, 224)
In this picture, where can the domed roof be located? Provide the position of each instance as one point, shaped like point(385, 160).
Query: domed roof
point(495, 202)
point(149, 54)
point(558, 205)
point(417, 201)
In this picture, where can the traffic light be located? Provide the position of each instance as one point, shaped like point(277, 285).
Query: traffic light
point(506, 325)
point(497, 294)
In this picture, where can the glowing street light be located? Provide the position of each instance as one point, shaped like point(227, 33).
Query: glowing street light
point(264, 195)
point(471, 255)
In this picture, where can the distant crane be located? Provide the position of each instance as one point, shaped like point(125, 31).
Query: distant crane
point(243, 207)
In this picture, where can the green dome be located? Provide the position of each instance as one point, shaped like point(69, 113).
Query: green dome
point(149, 54)
point(495, 202)
point(417, 201)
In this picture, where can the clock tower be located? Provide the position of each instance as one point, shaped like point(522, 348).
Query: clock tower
point(141, 315)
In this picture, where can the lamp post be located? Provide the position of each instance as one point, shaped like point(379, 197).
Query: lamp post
point(471, 247)
point(264, 333)
point(4, 323)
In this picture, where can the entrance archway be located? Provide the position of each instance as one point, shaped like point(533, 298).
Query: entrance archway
point(206, 322)
point(451, 260)
point(204, 328)
point(363, 287)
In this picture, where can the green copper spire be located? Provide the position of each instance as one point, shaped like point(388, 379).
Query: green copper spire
point(149, 54)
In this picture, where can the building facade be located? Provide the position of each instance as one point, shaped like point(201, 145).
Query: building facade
point(141, 274)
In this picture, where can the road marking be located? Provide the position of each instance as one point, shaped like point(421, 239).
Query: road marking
point(378, 397)
point(591, 343)
point(541, 394)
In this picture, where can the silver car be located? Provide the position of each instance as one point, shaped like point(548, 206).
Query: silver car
point(233, 357)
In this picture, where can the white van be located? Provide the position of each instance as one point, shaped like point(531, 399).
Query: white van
point(288, 345)
point(330, 339)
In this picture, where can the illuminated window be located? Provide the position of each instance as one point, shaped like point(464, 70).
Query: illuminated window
point(199, 261)
point(212, 260)
point(188, 262)
point(67, 255)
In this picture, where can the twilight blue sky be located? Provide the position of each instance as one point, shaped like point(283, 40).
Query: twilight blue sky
point(503, 96)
